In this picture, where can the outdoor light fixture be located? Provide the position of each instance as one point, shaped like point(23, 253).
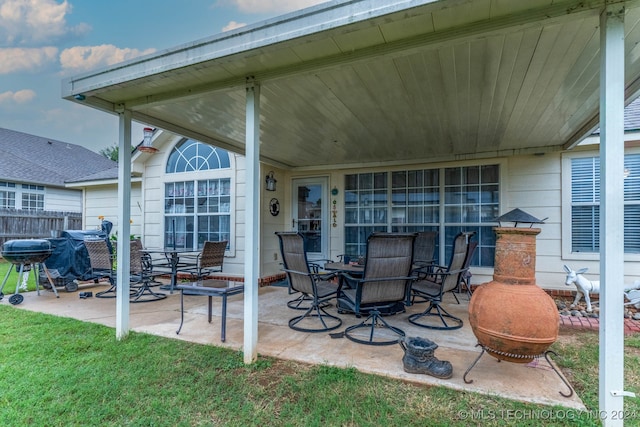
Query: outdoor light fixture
point(271, 182)
point(79, 97)
point(146, 142)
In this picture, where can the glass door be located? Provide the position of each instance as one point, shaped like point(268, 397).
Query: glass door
point(311, 215)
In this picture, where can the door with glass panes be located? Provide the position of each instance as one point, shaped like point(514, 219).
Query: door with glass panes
point(311, 215)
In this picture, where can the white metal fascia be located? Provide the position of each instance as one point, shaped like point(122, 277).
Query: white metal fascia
point(286, 27)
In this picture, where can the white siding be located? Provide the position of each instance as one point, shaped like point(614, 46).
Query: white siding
point(62, 200)
point(103, 201)
point(532, 183)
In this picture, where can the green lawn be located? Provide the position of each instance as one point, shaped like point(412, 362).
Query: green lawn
point(12, 280)
point(62, 372)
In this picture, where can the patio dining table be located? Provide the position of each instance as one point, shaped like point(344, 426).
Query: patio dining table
point(353, 269)
point(172, 256)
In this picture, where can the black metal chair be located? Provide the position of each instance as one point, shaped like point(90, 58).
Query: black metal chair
point(141, 269)
point(424, 248)
point(314, 285)
point(383, 287)
point(434, 281)
point(101, 261)
point(465, 278)
point(208, 261)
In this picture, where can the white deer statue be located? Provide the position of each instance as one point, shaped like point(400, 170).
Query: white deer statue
point(583, 285)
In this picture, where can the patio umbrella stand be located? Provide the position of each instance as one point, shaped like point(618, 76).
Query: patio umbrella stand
point(26, 254)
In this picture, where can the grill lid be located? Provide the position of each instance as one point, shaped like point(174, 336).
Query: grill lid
point(26, 251)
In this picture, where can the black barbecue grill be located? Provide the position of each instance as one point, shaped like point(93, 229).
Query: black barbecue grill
point(25, 254)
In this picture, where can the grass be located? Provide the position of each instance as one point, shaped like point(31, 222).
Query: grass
point(12, 280)
point(62, 372)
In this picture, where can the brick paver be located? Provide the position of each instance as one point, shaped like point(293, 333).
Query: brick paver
point(630, 326)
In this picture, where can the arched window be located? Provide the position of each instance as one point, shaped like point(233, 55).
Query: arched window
point(191, 156)
point(197, 208)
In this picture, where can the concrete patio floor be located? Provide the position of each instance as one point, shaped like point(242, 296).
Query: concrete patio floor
point(535, 382)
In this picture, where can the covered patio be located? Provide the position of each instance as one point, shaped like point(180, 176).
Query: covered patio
point(372, 82)
point(535, 382)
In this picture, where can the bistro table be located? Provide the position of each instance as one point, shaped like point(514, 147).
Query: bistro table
point(211, 288)
point(173, 262)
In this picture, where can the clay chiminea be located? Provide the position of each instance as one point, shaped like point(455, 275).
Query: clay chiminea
point(512, 318)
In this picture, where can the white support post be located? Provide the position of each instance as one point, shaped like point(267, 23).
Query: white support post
point(252, 223)
point(124, 227)
point(611, 376)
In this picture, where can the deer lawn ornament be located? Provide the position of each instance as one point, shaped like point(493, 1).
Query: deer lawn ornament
point(583, 285)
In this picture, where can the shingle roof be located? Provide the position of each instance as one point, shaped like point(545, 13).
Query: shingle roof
point(37, 160)
point(631, 118)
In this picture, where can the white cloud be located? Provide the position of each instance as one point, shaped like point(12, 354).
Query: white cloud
point(19, 97)
point(272, 6)
point(31, 22)
point(232, 25)
point(13, 60)
point(84, 58)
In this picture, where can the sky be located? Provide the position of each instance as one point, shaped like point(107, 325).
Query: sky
point(43, 42)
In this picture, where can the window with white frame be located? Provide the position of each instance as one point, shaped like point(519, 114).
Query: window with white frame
point(447, 200)
point(7, 195)
point(585, 204)
point(197, 209)
point(32, 197)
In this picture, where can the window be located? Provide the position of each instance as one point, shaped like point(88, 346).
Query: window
point(446, 200)
point(197, 209)
point(32, 197)
point(585, 204)
point(7, 195)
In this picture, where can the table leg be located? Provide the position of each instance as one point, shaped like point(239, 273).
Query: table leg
point(224, 318)
point(173, 261)
point(181, 311)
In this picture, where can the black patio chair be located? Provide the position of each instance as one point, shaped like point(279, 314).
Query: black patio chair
point(424, 248)
point(465, 278)
point(309, 282)
point(207, 262)
point(101, 261)
point(383, 287)
point(141, 269)
point(434, 281)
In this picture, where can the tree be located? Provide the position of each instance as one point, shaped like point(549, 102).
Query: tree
point(112, 152)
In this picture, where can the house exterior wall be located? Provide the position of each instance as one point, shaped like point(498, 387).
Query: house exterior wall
point(152, 200)
point(102, 201)
point(62, 200)
point(533, 183)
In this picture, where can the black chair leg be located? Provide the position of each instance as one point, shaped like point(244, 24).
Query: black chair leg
point(449, 322)
point(316, 311)
point(374, 322)
point(145, 294)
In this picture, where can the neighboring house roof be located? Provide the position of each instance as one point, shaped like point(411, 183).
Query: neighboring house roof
point(631, 117)
point(111, 173)
point(44, 161)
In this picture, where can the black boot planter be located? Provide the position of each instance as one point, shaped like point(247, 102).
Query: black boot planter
point(419, 359)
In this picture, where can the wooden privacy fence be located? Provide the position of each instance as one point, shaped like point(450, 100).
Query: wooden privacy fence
point(27, 224)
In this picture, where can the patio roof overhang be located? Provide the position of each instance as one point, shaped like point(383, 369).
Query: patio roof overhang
point(378, 81)
point(370, 81)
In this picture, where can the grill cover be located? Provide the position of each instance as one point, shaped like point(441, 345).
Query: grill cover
point(70, 258)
